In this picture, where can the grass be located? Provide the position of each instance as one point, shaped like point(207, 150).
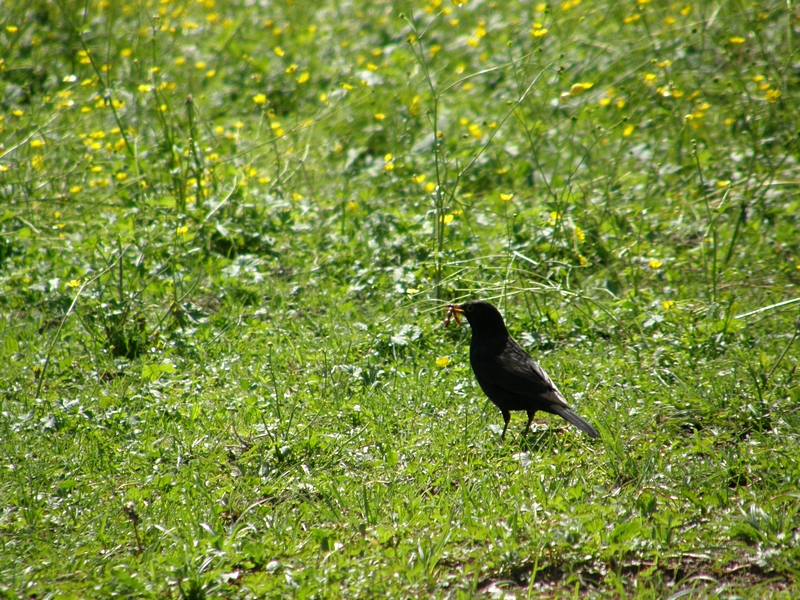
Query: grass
point(227, 235)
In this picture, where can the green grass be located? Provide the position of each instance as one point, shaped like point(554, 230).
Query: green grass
point(227, 234)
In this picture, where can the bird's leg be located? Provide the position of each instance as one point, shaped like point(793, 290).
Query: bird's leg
point(506, 418)
point(530, 419)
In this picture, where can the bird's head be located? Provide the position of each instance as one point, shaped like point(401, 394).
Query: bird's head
point(483, 317)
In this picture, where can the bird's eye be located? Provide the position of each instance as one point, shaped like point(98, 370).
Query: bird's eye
point(469, 308)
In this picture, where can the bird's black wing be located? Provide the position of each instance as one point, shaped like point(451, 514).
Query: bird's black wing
point(507, 369)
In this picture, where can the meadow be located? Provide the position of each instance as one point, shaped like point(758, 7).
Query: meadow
point(228, 232)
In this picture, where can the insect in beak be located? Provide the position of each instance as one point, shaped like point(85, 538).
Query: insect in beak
point(453, 311)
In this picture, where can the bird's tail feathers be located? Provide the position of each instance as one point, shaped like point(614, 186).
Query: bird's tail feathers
point(568, 415)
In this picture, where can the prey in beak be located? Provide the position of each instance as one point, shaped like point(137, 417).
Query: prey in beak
point(453, 311)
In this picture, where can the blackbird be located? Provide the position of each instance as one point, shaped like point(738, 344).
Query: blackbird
point(507, 375)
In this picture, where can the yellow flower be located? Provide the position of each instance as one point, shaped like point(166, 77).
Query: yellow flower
point(668, 304)
point(627, 131)
point(772, 96)
point(279, 51)
point(632, 18)
point(183, 229)
point(200, 65)
point(506, 197)
point(75, 189)
point(579, 235)
point(736, 40)
point(291, 69)
point(448, 219)
point(582, 260)
point(578, 88)
point(260, 98)
point(418, 179)
point(539, 33)
point(12, 28)
point(429, 187)
point(74, 283)
point(379, 116)
point(144, 88)
point(442, 361)
point(303, 77)
point(654, 263)
point(686, 10)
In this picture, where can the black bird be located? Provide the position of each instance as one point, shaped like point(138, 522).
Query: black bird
point(507, 375)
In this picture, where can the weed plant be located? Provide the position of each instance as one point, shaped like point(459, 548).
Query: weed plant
point(227, 233)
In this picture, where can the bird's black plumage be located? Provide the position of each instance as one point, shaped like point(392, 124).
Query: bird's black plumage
point(507, 375)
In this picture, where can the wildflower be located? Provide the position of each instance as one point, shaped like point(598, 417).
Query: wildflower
point(579, 234)
point(183, 229)
point(668, 304)
point(539, 33)
point(736, 40)
point(506, 197)
point(448, 219)
point(379, 116)
point(627, 131)
point(73, 283)
point(279, 51)
point(442, 361)
point(304, 77)
point(772, 96)
point(260, 99)
point(654, 263)
point(418, 179)
point(578, 88)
